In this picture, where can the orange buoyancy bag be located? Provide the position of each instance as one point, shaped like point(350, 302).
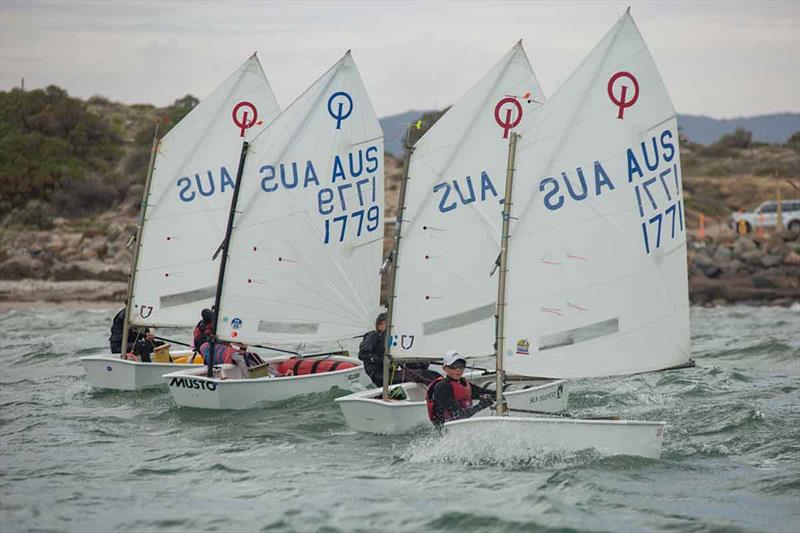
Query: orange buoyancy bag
point(302, 367)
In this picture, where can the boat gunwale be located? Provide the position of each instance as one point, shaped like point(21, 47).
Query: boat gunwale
point(558, 420)
point(360, 396)
point(114, 359)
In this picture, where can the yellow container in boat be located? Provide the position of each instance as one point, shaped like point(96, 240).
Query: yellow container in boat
point(258, 371)
point(161, 354)
point(185, 360)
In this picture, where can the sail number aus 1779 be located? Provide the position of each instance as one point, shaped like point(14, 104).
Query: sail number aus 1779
point(356, 203)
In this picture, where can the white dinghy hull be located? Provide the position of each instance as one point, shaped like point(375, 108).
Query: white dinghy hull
point(191, 388)
point(111, 372)
point(542, 435)
point(366, 411)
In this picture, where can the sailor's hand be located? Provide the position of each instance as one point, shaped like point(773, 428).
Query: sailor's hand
point(487, 400)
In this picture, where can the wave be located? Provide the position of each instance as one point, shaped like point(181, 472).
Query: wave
point(219, 467)
point(466, 521)
point(508, 454)
point(146, 471)
point(772, 348)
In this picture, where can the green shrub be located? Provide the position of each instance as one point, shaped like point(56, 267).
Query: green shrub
point(36, 214)
point(47, 137)
point(136, 163)
point(741, 138)
point(794, 142)
point(84, 196)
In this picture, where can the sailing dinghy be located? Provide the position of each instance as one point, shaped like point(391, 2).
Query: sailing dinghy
point(184, 209)
point(301, 259)
point(595, 263)
point(447, 236)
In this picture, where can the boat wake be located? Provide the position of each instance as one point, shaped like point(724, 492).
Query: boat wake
point(496, 451)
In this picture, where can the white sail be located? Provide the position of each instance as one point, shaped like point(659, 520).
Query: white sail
point(189, 200)
point(445, 296)
point(307, 242)
point(597, 281)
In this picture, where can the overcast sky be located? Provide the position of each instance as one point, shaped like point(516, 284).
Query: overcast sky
point(722, 59)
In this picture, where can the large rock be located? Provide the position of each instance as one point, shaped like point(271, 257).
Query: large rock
point(701, 259)
point(792, 259)
point(771, 260)
point(23, 266)
point(732, 267)
point(722, 255)
point(752, 257)
point(88, 254)
point(742, 245)
point(705, 264)
point(56, 244)
point(763, 282)
point(99, 245)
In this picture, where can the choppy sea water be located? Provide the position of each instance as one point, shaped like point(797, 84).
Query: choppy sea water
point(77, 459)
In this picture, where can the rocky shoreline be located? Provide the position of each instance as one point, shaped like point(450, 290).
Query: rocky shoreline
point(744, 268)
point(88, 260)
point(60, 267)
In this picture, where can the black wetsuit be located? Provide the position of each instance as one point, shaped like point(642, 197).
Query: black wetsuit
point(145, 348)
point(115, 339)
point(371, 351)
point(444, 401)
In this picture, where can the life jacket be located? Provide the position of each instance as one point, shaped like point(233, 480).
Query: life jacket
point(462, 394)
point(201, 333)
point(223, 353)
point(302, 367)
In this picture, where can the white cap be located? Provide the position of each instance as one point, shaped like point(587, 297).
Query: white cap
point(451, 357)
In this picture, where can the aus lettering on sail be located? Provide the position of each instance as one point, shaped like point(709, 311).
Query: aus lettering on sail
point(652, 170)
point(204, 184)
point(346, 190)
point(452, 194)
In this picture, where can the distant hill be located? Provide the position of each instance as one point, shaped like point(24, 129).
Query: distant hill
point(394, 127)
point(700, 129)
point(775, 128)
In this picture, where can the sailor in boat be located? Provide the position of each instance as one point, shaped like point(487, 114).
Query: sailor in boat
point(115, 339)
point(202, 331)
point(450, 397)
point(371, 351)
point(231, 354)
point(144, 347)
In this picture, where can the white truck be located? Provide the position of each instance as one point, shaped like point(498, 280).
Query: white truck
point(766, 216)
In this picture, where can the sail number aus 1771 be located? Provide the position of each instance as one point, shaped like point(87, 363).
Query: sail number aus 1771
point(649, 196)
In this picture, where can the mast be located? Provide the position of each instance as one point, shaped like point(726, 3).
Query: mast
point(501, 285)
point(135, 261)
point(401, 208)
point(224, 261)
